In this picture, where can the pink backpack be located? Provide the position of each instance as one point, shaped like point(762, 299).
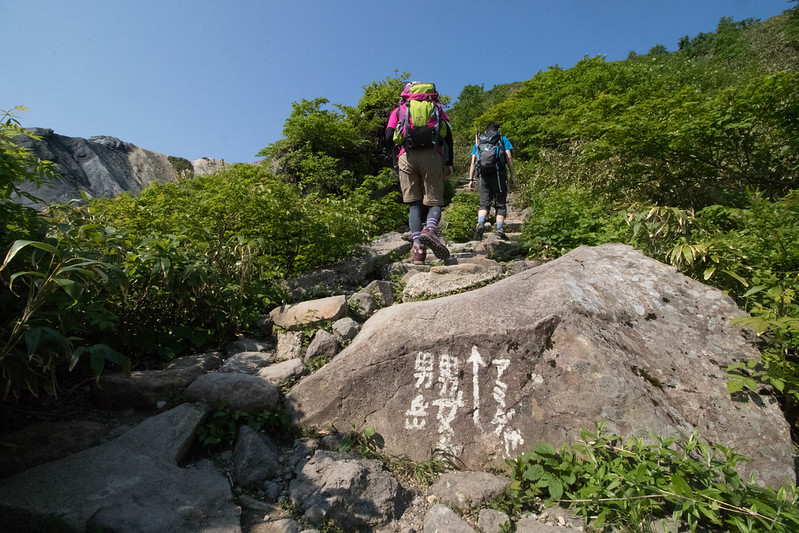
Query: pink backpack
point(420, 117)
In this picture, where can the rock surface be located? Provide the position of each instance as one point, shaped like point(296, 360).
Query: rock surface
point(358, 495)
point(601, 333)
point(131, 484)
point(103, 166)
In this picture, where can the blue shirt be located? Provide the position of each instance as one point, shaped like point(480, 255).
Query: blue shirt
point(505, 141)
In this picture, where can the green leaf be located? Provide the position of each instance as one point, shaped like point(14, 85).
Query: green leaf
point(21, 244)
point(599, 521)
point(69, 286)
point(97, 360)
point(543, 448)
point(680, 486)
point(555, 488)
point(32, 338)
point(734, 385)
point(534, 472)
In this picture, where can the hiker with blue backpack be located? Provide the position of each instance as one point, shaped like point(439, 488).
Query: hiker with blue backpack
point(420, 128)
point(491, 160)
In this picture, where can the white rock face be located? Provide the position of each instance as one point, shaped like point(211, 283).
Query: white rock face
point(207, 165)
point(101, 166)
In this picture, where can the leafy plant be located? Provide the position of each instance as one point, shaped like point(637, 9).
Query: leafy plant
point(461, 216)
point(18, 164)
point(44, 296)
point(221, 427)
point(612, 481)
point(568, 217)
point(365, 443)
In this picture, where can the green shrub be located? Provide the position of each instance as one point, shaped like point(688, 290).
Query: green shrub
point(221, 427)
point(630, 483)
point(182, 166)
point(461, 217)
point(567, 217)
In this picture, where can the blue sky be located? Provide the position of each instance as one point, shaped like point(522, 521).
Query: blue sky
point(202, 78)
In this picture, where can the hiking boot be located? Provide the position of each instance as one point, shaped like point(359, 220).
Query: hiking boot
point(429, 237)
point(478, 232)
point(500, 234)
point(418, 255)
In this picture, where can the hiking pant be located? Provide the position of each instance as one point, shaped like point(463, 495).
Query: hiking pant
point(494, 188)
point(421, 175)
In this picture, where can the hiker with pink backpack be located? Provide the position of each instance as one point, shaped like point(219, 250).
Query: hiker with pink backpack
point(420, 128)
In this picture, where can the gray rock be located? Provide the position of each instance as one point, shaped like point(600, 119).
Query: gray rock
point(282, 525)
point(247, 362)
point(146, 388)
point(600, 333)
point(448, 279)
point(467, 490)
point(370, 260)
point(309, 313)
point(207, 165)
point(441, 518)
point(289, 345)
point(491, 520)
point(345, 329)
point(400, 270)
point(131, 484)
point(376, 295)
point(356, 494)
point(241, 392)
point(265, 325)
point(362, 304)
point(284, 371)
point(47, 441)
point(255, 458)
point(247, 345)
point(324, 344)
point(530, 524)
point(304, 449)
point(382, 291)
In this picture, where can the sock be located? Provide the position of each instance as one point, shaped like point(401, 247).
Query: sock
point(500, 224)
point(433, 216)
point(481, 220)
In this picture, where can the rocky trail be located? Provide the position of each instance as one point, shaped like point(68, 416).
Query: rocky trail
point(601, 333)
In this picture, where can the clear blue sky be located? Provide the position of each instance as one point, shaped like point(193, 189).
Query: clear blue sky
point(202, 78)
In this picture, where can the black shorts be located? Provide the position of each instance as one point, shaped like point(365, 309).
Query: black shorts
point(494, 189)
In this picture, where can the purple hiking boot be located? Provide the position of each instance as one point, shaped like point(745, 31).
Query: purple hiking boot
point(418, 255)
point(430, 238)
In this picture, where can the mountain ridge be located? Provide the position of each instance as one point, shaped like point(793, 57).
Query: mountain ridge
point(103, 166)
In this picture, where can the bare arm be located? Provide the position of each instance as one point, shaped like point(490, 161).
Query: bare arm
point(471, 173)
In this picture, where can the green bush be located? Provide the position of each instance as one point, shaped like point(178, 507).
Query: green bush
point(567, 217)
point(182, 166)
point(461, 217)
point(630, 483)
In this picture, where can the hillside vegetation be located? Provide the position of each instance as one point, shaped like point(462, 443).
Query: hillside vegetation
point(691, 156)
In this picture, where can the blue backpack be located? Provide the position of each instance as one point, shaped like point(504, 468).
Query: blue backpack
point(490, 154)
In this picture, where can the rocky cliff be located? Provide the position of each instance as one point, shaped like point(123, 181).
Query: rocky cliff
point(104, 166)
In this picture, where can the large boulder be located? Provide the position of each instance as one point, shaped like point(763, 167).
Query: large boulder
point(603, 333)
point(357, 494)
point(132, 483)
